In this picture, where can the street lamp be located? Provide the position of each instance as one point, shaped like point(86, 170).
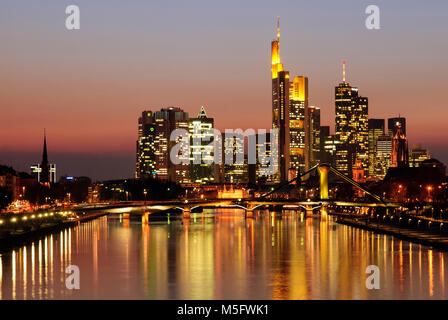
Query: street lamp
point(145, 193)
point(429, 188)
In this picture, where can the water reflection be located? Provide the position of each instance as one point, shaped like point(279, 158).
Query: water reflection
point(221, 256)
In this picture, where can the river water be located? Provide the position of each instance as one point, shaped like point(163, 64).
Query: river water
point(221, 255)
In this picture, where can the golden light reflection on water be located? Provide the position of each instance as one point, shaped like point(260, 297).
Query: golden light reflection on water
point(1, 276)
point(221, 256)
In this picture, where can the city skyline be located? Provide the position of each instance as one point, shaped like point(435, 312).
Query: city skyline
point(114, 135)
point(225, 151)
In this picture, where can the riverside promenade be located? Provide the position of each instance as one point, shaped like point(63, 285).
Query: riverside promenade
point(422, 230)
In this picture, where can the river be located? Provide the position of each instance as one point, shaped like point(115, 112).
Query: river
point(221, 255)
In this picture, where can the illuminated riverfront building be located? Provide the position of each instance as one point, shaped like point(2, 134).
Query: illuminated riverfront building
point(351, 127)
point(45, 173)
point(201, 149)
point(146, 146)
point(298, 119)
point(418, 155)
point(376, 129)
point(313, 136)
point(383, 155)
point(280, 106)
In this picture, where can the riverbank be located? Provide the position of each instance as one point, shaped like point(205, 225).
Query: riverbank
point(439, 241)
point(18, 239)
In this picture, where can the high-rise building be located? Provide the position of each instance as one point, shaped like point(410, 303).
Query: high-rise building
point(154, 145)
point(280, 106)
point(167, 120)
point(329, 150)
point(263, 172)
point(146, 146)
point(376, 129)
point(201, 149)
point(236, 169)
point(327, 146)
point(298, 120)
point(418, 155)
point(383, 155)
point(351, 129)
point(45, 172)
point(313, 136)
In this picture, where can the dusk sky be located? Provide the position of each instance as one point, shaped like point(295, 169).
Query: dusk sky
point(87, 87)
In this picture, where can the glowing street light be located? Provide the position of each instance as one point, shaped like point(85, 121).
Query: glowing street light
point(145, 193)
point(429, 188)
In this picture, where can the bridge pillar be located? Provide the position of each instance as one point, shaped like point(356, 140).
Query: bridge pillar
point(126, 215)
point(187, 212)
point(250, 211)
point(145, 218)
point(323, 174)
point(324, 212)
point(309, 211)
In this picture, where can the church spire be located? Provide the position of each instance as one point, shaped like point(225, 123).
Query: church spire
point(45, 166)
point(44, 153)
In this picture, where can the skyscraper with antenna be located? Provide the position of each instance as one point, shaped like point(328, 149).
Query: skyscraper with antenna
point(351, 126)
point(280, 106)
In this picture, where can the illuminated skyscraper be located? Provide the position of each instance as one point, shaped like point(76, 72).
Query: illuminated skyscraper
point(263, 171)
point(376, 129)
point(146, 146)
point(298, 128)
point(167, 120)
point(313, 136)
point(280, 106)
point(154, 145)
point(328, 152)
point(236, 170)
point(327, 145)
point(351, 130)
point(383, 155)
point(201, 149)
